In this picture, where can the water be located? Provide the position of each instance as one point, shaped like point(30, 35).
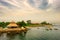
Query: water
point(35, 34)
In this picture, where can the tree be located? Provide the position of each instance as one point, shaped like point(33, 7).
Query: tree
point(2, 24)
point(22, 23)
point(19, 23)
point(6, 23)
point(28, 22)
point(44, 22)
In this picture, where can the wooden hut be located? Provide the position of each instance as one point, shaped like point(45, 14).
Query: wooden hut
point(12, 25)
point(13, 28)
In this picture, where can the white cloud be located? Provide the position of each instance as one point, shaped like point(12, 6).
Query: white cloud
point(26, 12)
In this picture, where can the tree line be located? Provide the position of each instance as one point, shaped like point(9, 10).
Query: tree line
point(20, 23)
point(23, 23)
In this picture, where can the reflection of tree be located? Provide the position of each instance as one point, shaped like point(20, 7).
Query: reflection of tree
point(11, 36)
point(22, 35)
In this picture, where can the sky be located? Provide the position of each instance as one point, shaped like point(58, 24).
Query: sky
point(35, 10)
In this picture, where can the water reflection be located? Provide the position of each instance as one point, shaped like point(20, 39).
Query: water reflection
point(33, 34)
point(13, 36)
point(3, 37)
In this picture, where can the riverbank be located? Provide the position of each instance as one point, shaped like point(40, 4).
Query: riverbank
point(40, 25)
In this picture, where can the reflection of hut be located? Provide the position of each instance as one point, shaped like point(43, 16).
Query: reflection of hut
point(12, 25)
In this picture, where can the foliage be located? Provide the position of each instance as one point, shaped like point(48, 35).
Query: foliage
point(2, 24)
point(45, 23)
point(22, 23)
point(19, 23)
point(28, 22)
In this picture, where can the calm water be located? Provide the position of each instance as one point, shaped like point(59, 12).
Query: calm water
point(35, 34)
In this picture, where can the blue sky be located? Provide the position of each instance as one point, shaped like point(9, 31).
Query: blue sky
point(35, 10)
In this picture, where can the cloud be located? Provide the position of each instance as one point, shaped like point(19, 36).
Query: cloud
point(40, 4)
point(44, 4)
point(28, 10)
point(52, 5)
point(55, 5)
point(7, 4)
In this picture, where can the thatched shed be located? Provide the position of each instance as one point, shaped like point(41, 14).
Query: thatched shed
point(12, 25)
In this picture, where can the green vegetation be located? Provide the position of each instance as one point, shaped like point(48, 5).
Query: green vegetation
point(3, 24)
point(29, 22)
point(24, 24)
point(45, 23)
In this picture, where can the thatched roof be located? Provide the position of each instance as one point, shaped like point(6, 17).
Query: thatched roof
point(12, 24)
